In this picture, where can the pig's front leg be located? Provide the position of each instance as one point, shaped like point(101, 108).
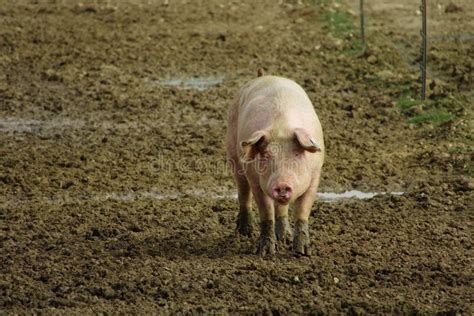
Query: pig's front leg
point(303, 205)
point(266, 242)
point(282, 226)
point(245, 217)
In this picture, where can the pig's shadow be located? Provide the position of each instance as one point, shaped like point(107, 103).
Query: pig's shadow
point(183, 245)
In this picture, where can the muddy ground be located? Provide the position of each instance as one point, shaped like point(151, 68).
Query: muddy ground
point(115, 196)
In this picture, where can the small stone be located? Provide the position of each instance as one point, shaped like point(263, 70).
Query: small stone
point(372, 59)
point(384, 74)
point(296, 279)
point(336, 280)
point(51, 75)
point(210, 284)
point(66, 185)
point(470, 185)
point(352, 12)
point(338, 42)
point(452, 8)
point(416, 110)
point(384, 111)
point(467, 183)
point(135, 228)
point(222, 37)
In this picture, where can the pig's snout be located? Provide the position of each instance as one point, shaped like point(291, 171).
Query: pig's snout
point(282, 192)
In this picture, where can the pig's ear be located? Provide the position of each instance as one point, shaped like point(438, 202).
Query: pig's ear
point(255, 144)
point(305, 141)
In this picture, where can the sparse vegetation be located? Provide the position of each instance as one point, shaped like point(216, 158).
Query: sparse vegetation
point(406, 102)
point(436, 117)
point(436, 110)
point(424, 111)
point(342, 26)
point(340, 23)
point(466, 149)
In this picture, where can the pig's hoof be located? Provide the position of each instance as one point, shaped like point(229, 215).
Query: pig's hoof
point(282, 230)
point(266, 244)
point(245, 223)
point(301, 243)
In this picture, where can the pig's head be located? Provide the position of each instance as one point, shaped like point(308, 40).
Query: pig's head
point(282, 162)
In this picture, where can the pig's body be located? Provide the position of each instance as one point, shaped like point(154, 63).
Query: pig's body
point(276, 149)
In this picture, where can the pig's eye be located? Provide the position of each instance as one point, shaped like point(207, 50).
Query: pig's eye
point(298, 153)
point(266, 155)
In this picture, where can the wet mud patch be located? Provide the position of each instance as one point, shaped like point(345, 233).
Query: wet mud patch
point(211, 194)
point(115, 255)
point(193, 83)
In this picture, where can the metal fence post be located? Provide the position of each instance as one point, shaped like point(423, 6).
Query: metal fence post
point(423, 49)
point(362, 23)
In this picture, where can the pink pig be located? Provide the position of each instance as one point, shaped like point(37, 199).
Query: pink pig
point(275, 148)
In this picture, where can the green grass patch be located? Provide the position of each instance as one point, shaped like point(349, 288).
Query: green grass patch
point(340, 23)
point(322, 2)
point(404, 89)
point(431, 111)
point(437, 117)
point(461, 149)
point(406, 102)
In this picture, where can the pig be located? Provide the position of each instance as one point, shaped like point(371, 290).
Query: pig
point(275, 149)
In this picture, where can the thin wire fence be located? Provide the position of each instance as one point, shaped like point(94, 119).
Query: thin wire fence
point(439, 44)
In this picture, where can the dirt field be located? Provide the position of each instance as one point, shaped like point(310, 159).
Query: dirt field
point(114, 196)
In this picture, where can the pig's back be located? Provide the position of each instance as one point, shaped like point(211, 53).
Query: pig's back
point(271, 87)
point(270, 100)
